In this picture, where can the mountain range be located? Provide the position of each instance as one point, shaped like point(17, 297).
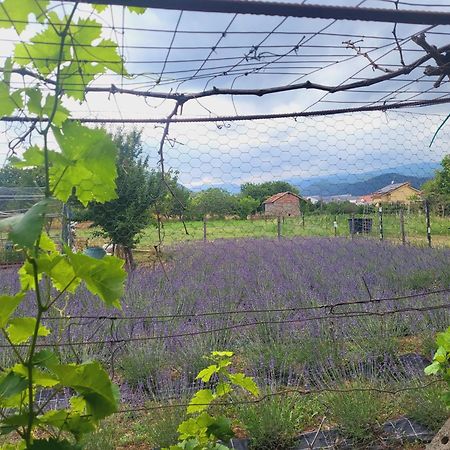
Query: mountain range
point(360, 183)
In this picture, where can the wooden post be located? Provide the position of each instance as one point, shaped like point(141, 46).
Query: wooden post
point(352, 228)
point(335, 225)
point(303, 219)
point(204, 229)
point(402, 227)
point(380, 222)
point(159, 230)
point(279, 227)
point(427, 214)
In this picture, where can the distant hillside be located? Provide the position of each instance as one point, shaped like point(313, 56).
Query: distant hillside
point(362, 187)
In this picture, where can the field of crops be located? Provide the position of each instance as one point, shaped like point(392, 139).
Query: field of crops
point(270, 302)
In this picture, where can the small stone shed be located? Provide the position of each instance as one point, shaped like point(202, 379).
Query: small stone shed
point(284, 204)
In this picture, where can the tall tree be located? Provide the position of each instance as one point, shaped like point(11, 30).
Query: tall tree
point(123, 219)
point(262, 191)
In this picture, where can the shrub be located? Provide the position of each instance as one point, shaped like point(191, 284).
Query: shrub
point(276, 423)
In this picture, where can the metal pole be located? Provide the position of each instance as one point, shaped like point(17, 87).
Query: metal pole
point(402, 227)
point(204, 229)
point(303, 219)
point(279, 227)
point(427, 214)
point(380, 221)
point(159, 230)
point(352, 230)
point(335, 226)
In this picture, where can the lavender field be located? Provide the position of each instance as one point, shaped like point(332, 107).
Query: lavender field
point(265, 300)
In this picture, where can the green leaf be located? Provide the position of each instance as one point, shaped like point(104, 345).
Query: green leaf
point(45, 359)
point(9, 102)
point(103, 277)
point(15, 13)
point(200, 401)
point(40, 378)
point(77, 75)
point(137, 9)
point(25, 229)
point(43, 51)
point(223, 354)
point(59, 113)
point(223, 388)
point(93, 157)
point(206, 374)
point(443, 340)
point(93, 384)
point(8, 304)
point(244, 382)
point(221, 429)
point(99, 8)
point(432, 369)
point(21, 329)
point(440, 355)
point(11, 385)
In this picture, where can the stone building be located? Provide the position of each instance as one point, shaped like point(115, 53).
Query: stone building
point(284, 204)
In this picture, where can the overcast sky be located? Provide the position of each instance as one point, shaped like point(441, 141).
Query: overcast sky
point(217, 153)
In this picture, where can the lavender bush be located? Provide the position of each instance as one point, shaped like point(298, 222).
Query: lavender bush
point(305, 347)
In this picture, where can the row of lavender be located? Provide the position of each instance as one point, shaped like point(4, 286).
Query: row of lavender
point(285, 336)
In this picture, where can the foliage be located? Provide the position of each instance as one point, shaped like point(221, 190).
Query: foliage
point(437, 190)
point(261, 191)
point(441, 362)
point(357, 413)
point(213, 202)
point(203, 431)
point(277, 422)
point(123, 218)
point(82, 163)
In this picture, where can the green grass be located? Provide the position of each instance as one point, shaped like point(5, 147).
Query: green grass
point(314, 225)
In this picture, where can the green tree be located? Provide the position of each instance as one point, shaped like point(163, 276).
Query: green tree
point(437, 190)
point(123, 219)
point(246, 206)
point(262, 191)
point(213, 202)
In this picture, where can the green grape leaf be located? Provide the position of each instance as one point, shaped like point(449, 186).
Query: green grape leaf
point(244, 382)
point(103, 277)
point(20, 329)
point(99, 8)
point(93, 170)
point(15, 13)
point(43, 51)
point(45, 359)
point(223, 388)
point(8, 304)
point(206, 374)
point(25, 229)
point(56, 266)
point(223, 354)
point(67, 420)
point(11, 423)
point(77, 75)
point(221, 429)
point(443, 339)
point(9, 102)
point(91, 382)
point(12, 384)
point(7, 70)
point(200, 401)
point(60, 114)
point(137, 9)
point(40, 378)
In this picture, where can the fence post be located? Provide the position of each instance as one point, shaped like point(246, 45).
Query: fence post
point(204, 229)
point(279, 227)
point(335, 226)
point(303, 219)
point(402, 227)
point(380, 221)
point(352, 228)
point(159, 230)
point(427, 214)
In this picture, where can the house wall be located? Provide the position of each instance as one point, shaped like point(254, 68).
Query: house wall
point(286, 206)
point(401, 195)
